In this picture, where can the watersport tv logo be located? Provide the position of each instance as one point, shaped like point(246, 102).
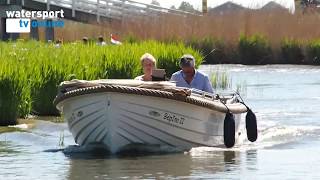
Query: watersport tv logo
point(18, 25)
point(20, 21)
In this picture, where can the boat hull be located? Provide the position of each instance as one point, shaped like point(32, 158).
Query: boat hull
point(120, 120)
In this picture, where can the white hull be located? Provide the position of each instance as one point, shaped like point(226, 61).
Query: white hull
point(119, 120)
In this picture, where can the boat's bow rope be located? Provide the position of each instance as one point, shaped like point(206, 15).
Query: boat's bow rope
point(169, 93)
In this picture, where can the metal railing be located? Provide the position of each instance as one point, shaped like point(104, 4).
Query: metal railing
point(225, 97)
point(116, 9)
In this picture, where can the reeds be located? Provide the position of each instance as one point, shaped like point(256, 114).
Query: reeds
point(229, 33)
point(313, 52)
point(274, 25)
point(246, 37)
point(292, 52)
point(221, 80)
point(30, 72)
point(254, 50)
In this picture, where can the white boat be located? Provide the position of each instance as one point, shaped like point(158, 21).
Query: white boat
point(123, 114)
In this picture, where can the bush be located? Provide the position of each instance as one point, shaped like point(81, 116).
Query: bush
point(46, 80)
point(313, 52)
point(14, 96)
point(254, 50)
point(208, 44)
point(292, 52)
point(130, 38)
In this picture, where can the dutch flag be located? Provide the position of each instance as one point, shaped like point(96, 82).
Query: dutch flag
point(115, 40)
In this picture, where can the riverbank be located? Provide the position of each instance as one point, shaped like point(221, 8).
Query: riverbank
point(30, 72)
point(254, 49)
point(257, 50)
point(247, 37)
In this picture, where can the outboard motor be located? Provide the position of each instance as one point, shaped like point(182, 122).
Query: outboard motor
point(229, 128)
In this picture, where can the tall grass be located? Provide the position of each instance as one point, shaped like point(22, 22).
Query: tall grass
point(254, 50)
point(218, 31)
point(292, 52)
point(30, 72)
point(274, 25)
point(213, 49)
point(221, 80)
point(313, 52)
point(14, 95)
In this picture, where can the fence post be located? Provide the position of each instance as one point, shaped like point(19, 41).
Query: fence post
point(48, 5)
point(34, 33)
point(204, 7)
point(4, 35)
point(49, 32)
point(122, 9)
point(73, 8)
point(98, 11)
point(14, 36)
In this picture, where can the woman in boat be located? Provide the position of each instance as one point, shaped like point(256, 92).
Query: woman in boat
point(148, 63)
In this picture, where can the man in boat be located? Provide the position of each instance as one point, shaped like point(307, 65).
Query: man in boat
point(189, 77)
point(148, 63)
point(85, 40)
point(101, 41)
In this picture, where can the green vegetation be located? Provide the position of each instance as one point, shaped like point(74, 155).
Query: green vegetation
point(30, 72)
point(14, 94)
point(206, 45)
point(221, 80)
point(254, 50)
point(313, 52)
point(251, 50)
point(61, 139)
point(292, 52)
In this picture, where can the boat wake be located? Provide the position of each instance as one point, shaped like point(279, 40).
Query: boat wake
point(269, 138)
point(54, 137)
point(40, 135)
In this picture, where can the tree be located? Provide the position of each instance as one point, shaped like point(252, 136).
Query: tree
point(173, 7)
point(185, 6)
point(155, 2)
point(309, 6)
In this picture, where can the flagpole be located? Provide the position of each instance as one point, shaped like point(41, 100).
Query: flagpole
point(204, 7)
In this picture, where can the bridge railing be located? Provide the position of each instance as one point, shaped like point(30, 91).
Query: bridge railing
point(116, 9)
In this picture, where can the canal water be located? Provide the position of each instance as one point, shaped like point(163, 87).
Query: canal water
point(286, 100)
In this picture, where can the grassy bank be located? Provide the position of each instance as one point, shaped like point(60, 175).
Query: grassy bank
point(274, 25)
point(31, 71)
point(313, 52)
point(257, 50)
point(246, 36)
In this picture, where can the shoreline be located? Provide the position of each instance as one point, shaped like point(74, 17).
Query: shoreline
point(31, 71)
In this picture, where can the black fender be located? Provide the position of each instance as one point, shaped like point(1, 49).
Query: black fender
point(251, 126)
point(229, 130)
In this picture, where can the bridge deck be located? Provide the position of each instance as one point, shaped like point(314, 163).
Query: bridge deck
point(86, 10)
